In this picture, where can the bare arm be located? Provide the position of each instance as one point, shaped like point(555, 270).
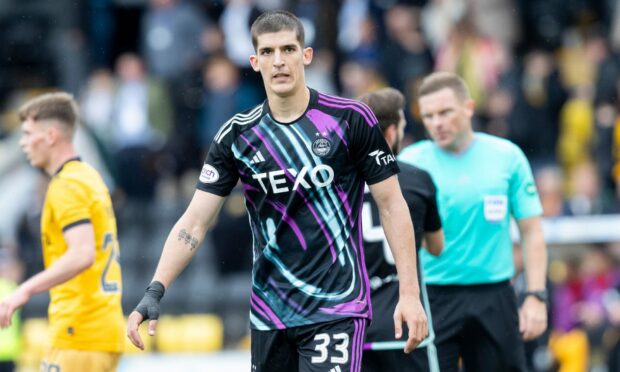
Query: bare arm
point(79, 256)
point(533, 317)
point(533, 242)
point(186, 236)
point(434, 242)
point(180, 247)
point(398, 229)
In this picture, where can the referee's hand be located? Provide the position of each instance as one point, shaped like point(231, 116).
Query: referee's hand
point(410, 310)
point(532, 318)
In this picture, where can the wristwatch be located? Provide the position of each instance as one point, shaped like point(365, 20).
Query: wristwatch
point(541, 295)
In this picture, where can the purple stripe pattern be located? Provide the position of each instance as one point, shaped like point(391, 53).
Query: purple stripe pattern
point(282, 165)
point(354, 352)
point(254, 299)
point(358, 340)
point(360, 245)
point(326, 124)
point(290, 221)
point(244, 138)
point(304, 199)
point(338, 102)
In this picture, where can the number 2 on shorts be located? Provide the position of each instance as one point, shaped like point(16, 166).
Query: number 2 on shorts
point(341, 347)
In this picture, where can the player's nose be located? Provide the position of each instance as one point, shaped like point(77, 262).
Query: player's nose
point(277, 58)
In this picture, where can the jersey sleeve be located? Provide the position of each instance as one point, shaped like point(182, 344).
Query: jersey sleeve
point(219, 173)
point(69, 202)
point(523, 195)
point(432, 221)
point(371, 154)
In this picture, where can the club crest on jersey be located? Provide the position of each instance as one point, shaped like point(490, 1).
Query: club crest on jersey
point(321, 146)
point(381, 157)
point(209, 174)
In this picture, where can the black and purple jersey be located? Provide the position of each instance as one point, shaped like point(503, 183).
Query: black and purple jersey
point(304, 187)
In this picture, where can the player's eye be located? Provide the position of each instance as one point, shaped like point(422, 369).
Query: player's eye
point(265, 52)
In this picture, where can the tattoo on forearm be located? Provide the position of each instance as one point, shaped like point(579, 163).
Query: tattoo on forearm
point(193, 242)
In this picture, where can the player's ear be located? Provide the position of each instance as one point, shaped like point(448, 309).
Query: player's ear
point(470, 107)
point(51, 134)
point(254, 62)
point(308, 54)
point(390, 134)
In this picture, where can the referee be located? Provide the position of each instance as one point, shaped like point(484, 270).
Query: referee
point(482, 181)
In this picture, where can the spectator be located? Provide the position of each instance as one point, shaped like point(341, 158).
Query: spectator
point(171, 31)
point(224, 95)
point(141, 122)
point(551, 191)
point(587, 197)
point(538, 98)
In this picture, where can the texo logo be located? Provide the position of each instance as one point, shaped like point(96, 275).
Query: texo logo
point(382, 160)
point(319, 176)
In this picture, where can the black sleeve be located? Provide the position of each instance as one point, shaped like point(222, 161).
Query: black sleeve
point(371, 154)
point(432, 221)
point(219, 173)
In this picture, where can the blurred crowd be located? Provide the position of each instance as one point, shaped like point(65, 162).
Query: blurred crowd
point(156, 79)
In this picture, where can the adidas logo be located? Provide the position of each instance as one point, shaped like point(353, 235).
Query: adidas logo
point(335, 369)
point(257, 158)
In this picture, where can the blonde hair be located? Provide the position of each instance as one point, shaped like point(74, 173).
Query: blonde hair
point(440, 80)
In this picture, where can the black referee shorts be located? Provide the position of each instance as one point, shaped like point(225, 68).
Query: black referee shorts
point(478, 323)
point(324, 347)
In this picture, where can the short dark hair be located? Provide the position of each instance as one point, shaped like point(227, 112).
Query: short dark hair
point(440, 80)
point(60, 106)
point(275, 21)
point(386, 103)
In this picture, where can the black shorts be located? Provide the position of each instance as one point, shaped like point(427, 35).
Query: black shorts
point(388, 354)
point(480, 324)
point(326, 347)
point(396, 361)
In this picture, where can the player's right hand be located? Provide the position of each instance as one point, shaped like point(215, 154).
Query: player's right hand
point(148, 308)
point(410, 311)
point(8, 306)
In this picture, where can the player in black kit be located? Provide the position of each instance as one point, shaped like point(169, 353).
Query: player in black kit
point(381, 351)
point(303, 158)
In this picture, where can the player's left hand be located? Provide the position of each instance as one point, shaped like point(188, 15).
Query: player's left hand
point(13, 302)
point(410, 311)
point(532, 318)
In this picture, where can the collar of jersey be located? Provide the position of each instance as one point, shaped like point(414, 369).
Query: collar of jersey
point(77, 158)
point(313, 99)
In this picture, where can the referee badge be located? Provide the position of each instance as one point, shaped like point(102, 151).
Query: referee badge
point(321, 146)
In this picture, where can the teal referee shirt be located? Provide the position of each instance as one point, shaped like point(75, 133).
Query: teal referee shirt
point(478, 191)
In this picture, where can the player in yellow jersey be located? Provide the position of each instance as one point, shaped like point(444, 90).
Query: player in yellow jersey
point(80, 249)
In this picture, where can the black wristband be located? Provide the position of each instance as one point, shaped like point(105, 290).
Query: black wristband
point(149, 305)
point(541, 295)
point(156, 289)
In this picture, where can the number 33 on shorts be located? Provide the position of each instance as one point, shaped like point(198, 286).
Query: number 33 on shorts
point(335, 347)
point(339, 345)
